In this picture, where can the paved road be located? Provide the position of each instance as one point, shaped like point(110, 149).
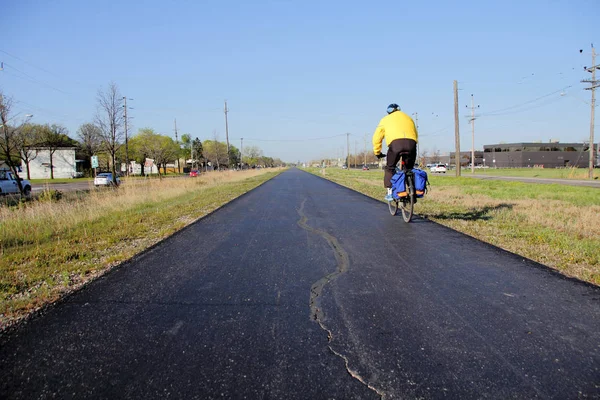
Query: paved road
point(570, 182)
point(304, 289)
point(63, 187)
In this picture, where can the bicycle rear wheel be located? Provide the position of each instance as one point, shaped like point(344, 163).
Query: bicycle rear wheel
point(393, 205)
point(408, 203)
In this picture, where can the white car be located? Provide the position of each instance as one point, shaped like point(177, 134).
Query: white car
point(105, 179)
point(438, 168)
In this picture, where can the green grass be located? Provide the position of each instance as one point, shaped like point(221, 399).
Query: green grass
point(545, 173)
point(579, 196)
point(556, 225)
point(44, 256)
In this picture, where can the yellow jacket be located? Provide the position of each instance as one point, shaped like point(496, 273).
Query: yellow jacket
point(396, 125)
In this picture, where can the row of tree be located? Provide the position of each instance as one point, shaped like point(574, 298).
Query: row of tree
point(368, 158)
point(106, 137)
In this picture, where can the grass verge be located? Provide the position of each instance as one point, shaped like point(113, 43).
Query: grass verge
point(556, 225)
point(546, 173)
point(50, 248)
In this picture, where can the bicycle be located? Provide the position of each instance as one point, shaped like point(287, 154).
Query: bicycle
point(405, 203)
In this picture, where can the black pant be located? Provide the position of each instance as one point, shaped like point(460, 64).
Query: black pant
point(398, 147)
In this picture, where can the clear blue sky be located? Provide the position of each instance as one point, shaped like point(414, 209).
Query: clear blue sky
point(300, 70)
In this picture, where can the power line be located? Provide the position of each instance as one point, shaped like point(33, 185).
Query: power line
point(435, 133)
point(27, 62)
point(295, 140)
point(32, 79)
point(532, 107)
point(490, 113)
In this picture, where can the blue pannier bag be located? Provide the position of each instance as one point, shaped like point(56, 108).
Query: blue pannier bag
point(421, 182)
point(398, 186)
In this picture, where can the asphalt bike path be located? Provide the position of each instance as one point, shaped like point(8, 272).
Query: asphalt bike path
point(305, 289)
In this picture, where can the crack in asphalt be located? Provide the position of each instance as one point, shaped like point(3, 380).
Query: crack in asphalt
point(316, 311)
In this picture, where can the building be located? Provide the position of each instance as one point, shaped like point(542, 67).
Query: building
point(465, 158)
point(543, 155)
point(63, 163)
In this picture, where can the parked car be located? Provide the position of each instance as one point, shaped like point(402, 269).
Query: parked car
point(105, 179)
point(8, 184)
point(194, 172)
point(438, 168)
point(365, 168)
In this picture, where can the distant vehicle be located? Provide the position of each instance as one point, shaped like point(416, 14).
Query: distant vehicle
point(365, 168)
point(8, 184)
point(344, 167)
point(441, 168)
point(105, 179)
point(194, 172)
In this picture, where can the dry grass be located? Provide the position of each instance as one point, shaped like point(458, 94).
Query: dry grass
point(50, 248)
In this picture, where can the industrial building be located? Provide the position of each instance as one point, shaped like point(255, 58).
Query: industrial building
point(543, 155)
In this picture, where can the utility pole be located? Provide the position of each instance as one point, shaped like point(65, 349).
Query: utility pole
point(354, 153)
point(348, 147)
point(126, 137)
point(593, 85)
point(472, 121)
point(227, 133)
point(177, 141)
point(365, 148)
point(456, 131)
point(416, 114)
point(242, 154)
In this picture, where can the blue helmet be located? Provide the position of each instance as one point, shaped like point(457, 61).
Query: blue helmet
point(393, 107)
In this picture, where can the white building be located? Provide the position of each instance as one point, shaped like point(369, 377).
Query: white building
point(63, 161)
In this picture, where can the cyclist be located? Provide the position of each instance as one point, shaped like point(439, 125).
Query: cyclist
point(401, 136)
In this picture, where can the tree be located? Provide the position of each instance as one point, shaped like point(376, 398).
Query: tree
point(9, 140)
point(234, 156)
point(215, 151)
point(110, 119)
point(252, 155)
point(52, 138)
point(424, 158)
point(137, 151)
point(162, 149)
point(28, 139)
point(186, 146)
point(196, 150)
point(90, 141)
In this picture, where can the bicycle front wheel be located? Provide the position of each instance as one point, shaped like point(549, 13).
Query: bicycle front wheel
point(408, 203)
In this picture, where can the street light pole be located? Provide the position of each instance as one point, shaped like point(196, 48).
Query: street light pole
point(126, 136)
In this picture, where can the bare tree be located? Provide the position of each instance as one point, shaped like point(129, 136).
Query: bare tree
point(110, 119)
point(90, 139)
point(424, 157)
point(9, 141)
point(53, 138)
point(28, 139)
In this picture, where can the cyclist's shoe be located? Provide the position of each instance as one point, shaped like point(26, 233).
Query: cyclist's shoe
point(388, 196)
